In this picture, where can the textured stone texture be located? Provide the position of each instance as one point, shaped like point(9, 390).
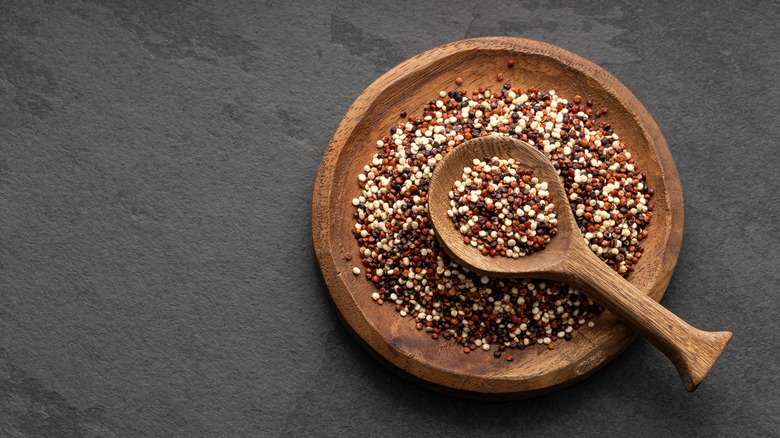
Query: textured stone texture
point(156, 168)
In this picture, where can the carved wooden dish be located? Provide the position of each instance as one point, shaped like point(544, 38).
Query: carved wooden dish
point(439, 364)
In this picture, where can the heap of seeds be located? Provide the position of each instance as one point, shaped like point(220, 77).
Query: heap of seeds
point(411, 272)
point(501, 208)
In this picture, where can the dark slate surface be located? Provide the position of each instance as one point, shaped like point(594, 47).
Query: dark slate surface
point(156, 169)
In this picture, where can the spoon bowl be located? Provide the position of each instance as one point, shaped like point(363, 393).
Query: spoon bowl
point(539, 264)
point(568, 259)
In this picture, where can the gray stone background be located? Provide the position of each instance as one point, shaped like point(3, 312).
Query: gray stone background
point(157, 161)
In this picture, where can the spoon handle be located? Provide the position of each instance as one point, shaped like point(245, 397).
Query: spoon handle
point(692, 351)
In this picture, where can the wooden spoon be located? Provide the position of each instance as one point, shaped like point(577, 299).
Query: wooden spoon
point(568, 259)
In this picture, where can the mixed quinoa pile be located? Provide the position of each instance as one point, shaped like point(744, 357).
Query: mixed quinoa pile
point(402, 258)
point(501, 208)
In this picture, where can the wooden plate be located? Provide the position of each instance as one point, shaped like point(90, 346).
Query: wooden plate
point(441, 365)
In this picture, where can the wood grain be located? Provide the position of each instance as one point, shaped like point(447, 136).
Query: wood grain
point(568, 259)
point(440, 365)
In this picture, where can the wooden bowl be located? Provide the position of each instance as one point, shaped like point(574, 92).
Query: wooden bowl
point(439, 364)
